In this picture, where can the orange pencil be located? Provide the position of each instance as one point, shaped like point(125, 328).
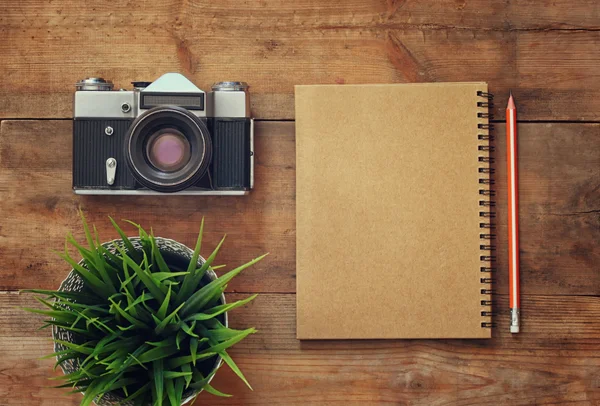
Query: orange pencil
point(513, 213)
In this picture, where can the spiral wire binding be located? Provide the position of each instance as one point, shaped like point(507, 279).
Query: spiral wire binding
point(486, 213)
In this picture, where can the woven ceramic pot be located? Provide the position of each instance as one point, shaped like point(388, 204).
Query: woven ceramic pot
point(177, 256)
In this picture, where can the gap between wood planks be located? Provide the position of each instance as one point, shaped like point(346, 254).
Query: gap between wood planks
point(70, 119)
point(443, 27)
point(17, 292)
point(289, 120)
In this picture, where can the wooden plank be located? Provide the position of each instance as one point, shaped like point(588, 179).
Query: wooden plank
point(559, 212)
point(545, 51)
point(553, 361)
point(484, 14)
point(38, 208)
point(560, 198)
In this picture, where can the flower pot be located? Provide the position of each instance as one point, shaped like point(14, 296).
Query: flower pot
point(177, 256)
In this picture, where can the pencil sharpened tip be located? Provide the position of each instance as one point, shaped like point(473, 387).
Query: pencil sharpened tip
point(511, 102)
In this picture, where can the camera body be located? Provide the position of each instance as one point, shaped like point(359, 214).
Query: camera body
point(167, 136)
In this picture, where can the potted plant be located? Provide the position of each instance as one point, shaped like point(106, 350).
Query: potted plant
point(141, 321)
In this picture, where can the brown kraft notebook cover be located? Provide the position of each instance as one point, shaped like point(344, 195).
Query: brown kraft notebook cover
point(390, 193)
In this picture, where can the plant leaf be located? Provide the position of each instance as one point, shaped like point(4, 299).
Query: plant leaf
point(127, 284)
point(55, 306)
point(56, 314)
point(189, 330)
point(199, 299)
point(162, 311)
point(112, 259)
point(100, 345)
point(223, 333)
point(79, 297)
point(105, 255)
point(68, 327)
point(234, 368)
point(86, 254)
point(138, 361)
point(117, 359)
point(188, 378)
point(126, 315)
point(193, 349)
point(161, 276)
point(81, 348)
point(215, 311)
point(157, 256)
point(179, 338)
point(228, 343)
point(121, 383)
point(196, 254)
point(109, 345)
point(175, 374)
point(159, 329)
point(215, 392)
point(92, 391)
point(136, 394)
point(98, 261)
point(187, 359)
point(144, 238)
point(187, 285)
point(87, 276)
point(159, 380)
point(168, 342)
point(170, 388)
point(132, 303)
point(199, 273)
point(117, 373)
point(95, 321)
point(216, 298)
point(225, 355)
point(126, 241)
point(146, 280)
point(157, 353)
point(200, 381)
point(64, 304)
point(64, 358)
point(57, 353)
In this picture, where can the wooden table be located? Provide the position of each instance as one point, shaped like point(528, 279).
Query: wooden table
point(547, 52)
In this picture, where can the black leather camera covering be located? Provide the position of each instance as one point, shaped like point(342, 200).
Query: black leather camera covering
point(231, 153)
point(92, 147)
point(230, 167)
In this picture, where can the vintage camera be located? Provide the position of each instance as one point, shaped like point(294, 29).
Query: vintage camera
point(167, 136)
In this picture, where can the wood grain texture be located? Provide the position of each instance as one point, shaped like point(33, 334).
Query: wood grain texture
point(555, 360)
point(559, 208)
point(559, 191)
point(545, 51)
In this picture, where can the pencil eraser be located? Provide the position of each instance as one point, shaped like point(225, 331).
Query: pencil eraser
point(514, 329)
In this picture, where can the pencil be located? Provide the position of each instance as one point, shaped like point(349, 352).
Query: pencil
point(513, 213)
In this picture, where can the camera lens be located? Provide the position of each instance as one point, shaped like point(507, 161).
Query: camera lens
point(168, 148)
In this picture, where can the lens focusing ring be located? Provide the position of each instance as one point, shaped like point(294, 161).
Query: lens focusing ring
point(196, 134)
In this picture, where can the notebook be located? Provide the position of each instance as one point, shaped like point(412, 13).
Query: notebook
point(393, 211)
